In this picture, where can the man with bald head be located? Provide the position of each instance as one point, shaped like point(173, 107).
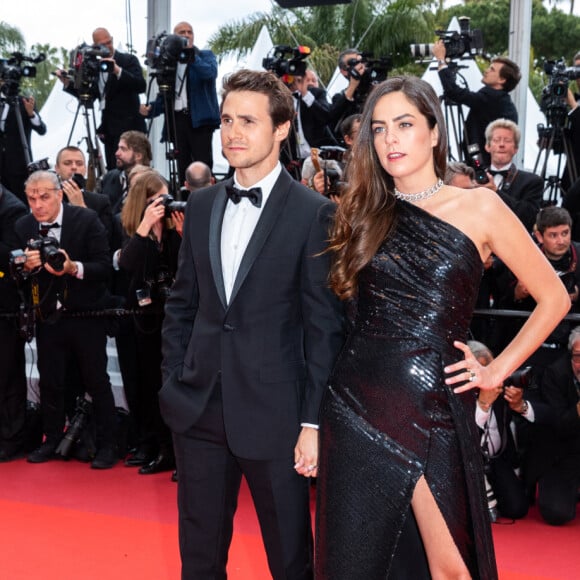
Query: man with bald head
point(117, 92)
point(195, 112)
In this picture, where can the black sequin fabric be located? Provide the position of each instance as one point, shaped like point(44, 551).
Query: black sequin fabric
point(388, 418)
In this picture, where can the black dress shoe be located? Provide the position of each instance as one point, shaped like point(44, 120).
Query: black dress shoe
point(105, 458)
point(44, 453)
point(142, 456)
point(163, 462)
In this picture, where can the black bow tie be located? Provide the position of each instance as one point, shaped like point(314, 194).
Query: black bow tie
point(43, 228)
point(503, 172)
point(254, 194)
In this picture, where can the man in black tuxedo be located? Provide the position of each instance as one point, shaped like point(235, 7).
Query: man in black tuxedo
point(133, 149)
point(250, 334)
point(71, 168)
point(117, 92)
point(491, 102)
point(12, 360)
point(521, 190)
point(72, 280)
point(13, 151)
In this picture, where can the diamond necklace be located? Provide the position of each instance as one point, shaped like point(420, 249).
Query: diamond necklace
point(425, 194)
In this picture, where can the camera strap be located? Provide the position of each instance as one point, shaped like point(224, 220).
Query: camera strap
point(509, 178)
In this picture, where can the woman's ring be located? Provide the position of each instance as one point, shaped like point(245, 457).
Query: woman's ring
point(472, 376)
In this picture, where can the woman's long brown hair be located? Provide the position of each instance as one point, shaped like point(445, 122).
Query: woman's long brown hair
point(366, 212)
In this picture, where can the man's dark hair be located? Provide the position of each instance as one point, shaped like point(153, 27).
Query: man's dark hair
point(139, 143)
point(510, 72)
point(550, 217)
point(264, 82)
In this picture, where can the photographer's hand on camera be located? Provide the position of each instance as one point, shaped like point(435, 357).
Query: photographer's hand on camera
point(354, 79)
point(440, 52)
point(486, 398)
point(152, 219)
point(177, 218)
point(70, 267)
point(73, 192)
point(515, 399)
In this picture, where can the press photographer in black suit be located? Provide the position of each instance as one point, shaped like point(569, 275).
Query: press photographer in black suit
point(12, 361)
point(133, 149)
point(13, 163)
point(491, 102)
point(557, 452)
point(522, 191)
point(495, 413)
point(553, 234)
point(71, 167)
point(62, 282)
point(117, 93)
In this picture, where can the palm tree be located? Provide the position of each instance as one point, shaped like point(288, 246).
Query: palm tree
point(11, 39)
point(383, 28)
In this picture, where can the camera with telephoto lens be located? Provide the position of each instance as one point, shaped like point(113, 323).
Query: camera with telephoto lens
point(476, 161)
point(465, 43)
point(86, 63)
point(12, 70)
point(49, 252)
point(76, 426)
point(162, 55)
point(287, 62)
point(171, 205)
point(376, 71)
point(332, 177)
point(554, 95)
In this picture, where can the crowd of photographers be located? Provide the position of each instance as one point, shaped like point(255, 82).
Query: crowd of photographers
point(70, 276)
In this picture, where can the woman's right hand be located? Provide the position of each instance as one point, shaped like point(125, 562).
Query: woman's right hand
point(154, 213)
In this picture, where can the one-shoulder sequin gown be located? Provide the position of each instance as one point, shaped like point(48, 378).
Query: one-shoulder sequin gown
point(388, 417)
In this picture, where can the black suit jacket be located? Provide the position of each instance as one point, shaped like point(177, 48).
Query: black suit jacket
point(111, 186)
point(273, 345)
point(485, 106)
point(316, 118)
point(11, 209)
point(102, 206)
point(84, 238)
point(13, 166)
point(524, 196)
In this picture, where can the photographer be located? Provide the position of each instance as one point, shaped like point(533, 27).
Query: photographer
point(133, 149)
point(555, 457)
point(494, 412)
point(149, 256)
point(12, 361)
point(350, 100)
point(193, 103)
point(117, 91)
point(71, 168)
point(65, 274)
point(324, 170)
point(13, 151)
point(489, 103)
point(313, 114)
point(552, 232)
point(522, 191)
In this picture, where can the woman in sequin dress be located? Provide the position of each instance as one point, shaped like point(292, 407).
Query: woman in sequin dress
point(400, 479)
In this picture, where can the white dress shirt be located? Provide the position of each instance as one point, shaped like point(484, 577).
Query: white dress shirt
point(238, 226)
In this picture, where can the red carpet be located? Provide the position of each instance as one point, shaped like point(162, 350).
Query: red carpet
point(65, 521)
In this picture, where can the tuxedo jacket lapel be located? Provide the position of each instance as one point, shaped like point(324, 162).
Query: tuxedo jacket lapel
point(215, 234)
point(270, 213)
